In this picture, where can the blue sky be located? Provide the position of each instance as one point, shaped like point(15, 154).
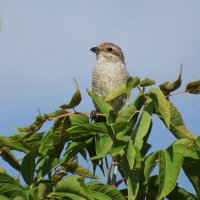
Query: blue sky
point(45, 44)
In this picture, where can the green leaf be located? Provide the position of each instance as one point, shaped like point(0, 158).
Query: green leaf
point(162, 105)
point(181, 194)
point(8, 156)
point(74, 168)
point(143, 124)
point(28, 167)
point(10, 187)
point(35, 126)
point(130, 84)
point(15, 143)
point(59, 135)
point(100, 196)
point(130, 113)
point(42, 189)
point(191, 169)
point(116, 92)
point(147, 82)
point(149, 165)
point(185, 147)
point(74, 185)
point(193, 87)
point(78, 119)
point(131, 153)
point(170, 164)
point(108, 190)
point(104, 107)
point(66, 196)
point(131, 174)
point(75, 100)
point(177, 126)
point(103, 145)
point(74, 148)
point(47, 143)
point(90, 129)
point(2, 197)
point(167, 87)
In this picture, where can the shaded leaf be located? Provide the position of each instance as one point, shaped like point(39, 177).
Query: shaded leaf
point(59, 135)
point(193, 87)
point(75, 100)
point(181, 194)
point(35, 126)
point(167, 87)
point(8, 156)
point(74, 168)
point(28, 167)
point(191, 169)
point(10, 187)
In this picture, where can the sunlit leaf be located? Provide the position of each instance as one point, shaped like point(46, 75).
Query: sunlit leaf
point(74, 185)
point(143, 124)
point(169, 167)
point(177, 126)
point(150, 163)
point(130, 84)
point(162, 105)
point(147, 82)
point(103, 107)
point(116, 92)
point(109, 190)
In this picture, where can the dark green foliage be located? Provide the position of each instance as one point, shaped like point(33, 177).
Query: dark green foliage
point(117, 146)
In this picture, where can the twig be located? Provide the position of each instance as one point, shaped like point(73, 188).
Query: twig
point(176, 93)
point(108, 173)
point(72, 113)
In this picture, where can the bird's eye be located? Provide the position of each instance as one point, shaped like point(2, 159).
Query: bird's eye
point(109, 49)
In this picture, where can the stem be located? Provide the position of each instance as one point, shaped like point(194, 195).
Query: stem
point(72, 113)
point(109, 172)
point(176, 93)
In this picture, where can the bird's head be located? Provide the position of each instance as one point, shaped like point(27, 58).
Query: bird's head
point(108, 52)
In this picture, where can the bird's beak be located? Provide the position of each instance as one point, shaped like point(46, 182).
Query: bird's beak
point(95, 49)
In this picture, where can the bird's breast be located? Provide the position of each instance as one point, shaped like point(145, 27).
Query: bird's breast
point(107, 76)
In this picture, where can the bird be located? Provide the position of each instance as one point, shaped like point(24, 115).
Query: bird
point(110, 71)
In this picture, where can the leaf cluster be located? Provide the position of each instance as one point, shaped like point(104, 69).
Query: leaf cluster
point(117, 146)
